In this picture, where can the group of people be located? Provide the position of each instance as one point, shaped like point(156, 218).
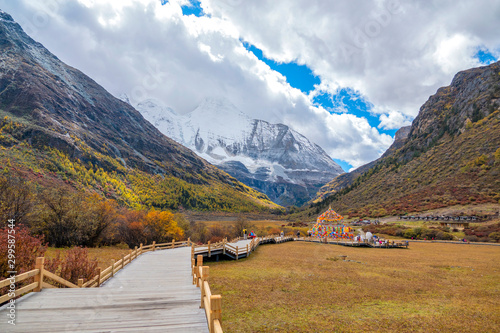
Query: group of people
point(250, 235)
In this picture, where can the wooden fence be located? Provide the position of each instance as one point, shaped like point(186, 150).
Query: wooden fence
point(226, 247)
point(211, 303)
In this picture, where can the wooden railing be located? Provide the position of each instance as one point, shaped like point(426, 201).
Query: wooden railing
point(211, 303)
point(226, 246)
point(41, 274)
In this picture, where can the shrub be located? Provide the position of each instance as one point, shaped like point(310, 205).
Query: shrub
point(27, 249)
point(484, 233)
point(75, 265)
point(495, 236)
point(444, 236)
point(471, 238)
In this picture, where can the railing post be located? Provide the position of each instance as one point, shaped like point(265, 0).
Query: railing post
point(192, 250)
point(123, 261)
point(204, 277)
point(209, 248)
point(154, 245)
point(140, 249)
point(98, 277)
point(129, 256)
point(80, 283)
point(199, 263)
point(236, 252)
point(112, 267)
point(215, 311)
point(189, 241)
point(247, 250)
point(193, 261)
point(135, 252)
point(173, 243)
point(39, 276)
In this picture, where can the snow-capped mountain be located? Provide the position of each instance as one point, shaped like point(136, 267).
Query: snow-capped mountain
point(271, 158)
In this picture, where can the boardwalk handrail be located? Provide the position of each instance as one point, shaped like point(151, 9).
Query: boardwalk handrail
point(211, 303)
point(229, 248)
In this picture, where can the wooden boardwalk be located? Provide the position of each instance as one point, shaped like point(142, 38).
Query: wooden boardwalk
point(154, 293)
point(389, 245)
point(237, 249)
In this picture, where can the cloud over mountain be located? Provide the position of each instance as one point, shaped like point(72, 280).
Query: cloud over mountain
point(392, 54)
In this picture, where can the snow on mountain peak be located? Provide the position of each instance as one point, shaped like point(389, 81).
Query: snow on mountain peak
point(260, 151)
point(124, 98)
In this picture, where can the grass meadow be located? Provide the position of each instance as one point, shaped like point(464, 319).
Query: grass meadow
point(103, 255)
point(307, 287)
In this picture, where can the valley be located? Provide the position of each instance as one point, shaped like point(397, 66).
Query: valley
point(184, 127)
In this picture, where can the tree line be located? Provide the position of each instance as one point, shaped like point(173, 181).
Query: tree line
point(67, 217)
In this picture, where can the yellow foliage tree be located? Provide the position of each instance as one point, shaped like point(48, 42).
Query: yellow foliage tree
point(161, 227)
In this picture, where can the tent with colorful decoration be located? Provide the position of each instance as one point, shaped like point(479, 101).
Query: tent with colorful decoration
point(330, 224)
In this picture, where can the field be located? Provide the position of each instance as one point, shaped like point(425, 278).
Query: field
point(102, 254)
point(305, 287)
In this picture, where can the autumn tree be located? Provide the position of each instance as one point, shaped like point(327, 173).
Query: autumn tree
point(101, 216)
point(68, 218)
point(16, 198)
point(131, 226)
point(60, 217)
point(160, 226)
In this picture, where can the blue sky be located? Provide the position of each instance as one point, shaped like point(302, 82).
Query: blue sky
point(485, 56)
point(194, 9)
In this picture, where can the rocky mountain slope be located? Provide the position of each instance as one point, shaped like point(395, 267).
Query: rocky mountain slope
point(271, 158)
point(61, 125)
point(451, 155)
point(346, 179)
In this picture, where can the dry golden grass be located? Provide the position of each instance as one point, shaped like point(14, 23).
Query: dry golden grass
point(104, 254)
point(306, 287)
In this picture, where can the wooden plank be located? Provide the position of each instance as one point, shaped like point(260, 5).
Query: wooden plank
point(89, 282)
point(59, 279)
point(19, 291)
point(19, 278)
point(47, 285)
point(217, 327)
point(106, 271)
point(105, 277)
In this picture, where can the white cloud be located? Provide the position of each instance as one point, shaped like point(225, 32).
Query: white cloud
point(394, 53)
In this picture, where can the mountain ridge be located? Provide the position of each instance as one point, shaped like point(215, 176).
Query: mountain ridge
point(57, 109)
point(272, 158)
point(450, 156)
